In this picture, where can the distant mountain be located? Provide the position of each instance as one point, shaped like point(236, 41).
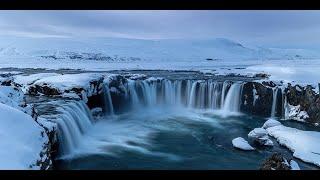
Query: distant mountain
point(121, 49)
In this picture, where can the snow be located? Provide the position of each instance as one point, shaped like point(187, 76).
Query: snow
point(303, 144)
point(295, 113)
point(11, 96)
point(29, 79)
point(20, 139)
point(260, 135)
point(69, 81)
point(294, 165)
point(271, 123)
point(242, 144)
point(301, 65)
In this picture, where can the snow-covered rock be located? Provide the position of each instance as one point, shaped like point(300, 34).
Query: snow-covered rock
point(242, 144)
point(260, 135)
point(22, 140)
point(295, 113)
point(271, 123)
point(303, 144)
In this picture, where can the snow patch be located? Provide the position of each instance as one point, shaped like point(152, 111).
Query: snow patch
point(21, 139)
point(303, 144)
point(242, 144)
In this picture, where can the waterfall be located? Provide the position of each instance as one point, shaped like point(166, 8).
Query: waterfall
point(274, 101)
point(133, 94)
point(73, 121)
point(232, 100)
point(108, 106)
point(224, 87)
point(192, 95)
point(201, 94)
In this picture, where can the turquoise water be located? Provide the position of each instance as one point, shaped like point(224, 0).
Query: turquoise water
point(167, 138)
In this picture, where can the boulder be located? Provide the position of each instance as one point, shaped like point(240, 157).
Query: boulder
point(260, 136)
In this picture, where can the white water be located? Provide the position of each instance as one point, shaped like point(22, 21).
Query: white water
point(274, 101)
point(73, 122)
point(143, 95)
point(232, 100)
point(108, 101)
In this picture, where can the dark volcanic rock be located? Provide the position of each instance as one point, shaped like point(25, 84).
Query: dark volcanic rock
point(263, 103)
point(275, 162)
point(308, 100)
point(44, 89)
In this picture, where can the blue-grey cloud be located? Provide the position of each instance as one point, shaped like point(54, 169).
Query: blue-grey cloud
point(276, 28)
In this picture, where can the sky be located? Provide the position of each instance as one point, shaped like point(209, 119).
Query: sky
point(269, 28)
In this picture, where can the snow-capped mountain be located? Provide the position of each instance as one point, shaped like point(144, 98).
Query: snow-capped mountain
point(121, 49)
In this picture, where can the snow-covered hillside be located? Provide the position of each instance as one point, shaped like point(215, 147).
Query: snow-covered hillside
point(120, 49)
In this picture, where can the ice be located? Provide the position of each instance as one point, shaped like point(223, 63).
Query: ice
point(242, 144)
point(294, 165)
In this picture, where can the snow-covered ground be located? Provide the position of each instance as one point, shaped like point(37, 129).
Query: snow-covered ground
point(21, 139)
point(303, 144)
point(217, 55)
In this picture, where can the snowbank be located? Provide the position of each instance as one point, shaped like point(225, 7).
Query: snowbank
point(69, 81)
point(242, 144)
point(21, 139)
point(303, 144)
point(260, 135)
point(270, 123)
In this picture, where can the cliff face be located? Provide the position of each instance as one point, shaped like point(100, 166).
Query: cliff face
point(306, 99)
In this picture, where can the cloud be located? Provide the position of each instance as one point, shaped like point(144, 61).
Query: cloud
point(265, 27)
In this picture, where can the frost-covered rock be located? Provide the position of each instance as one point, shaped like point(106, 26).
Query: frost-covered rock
point(271, 123)
point(303, 144)
point(22, 140)
point(260, 136)
point(295, 113)
point(302, 103)
point(242, 144)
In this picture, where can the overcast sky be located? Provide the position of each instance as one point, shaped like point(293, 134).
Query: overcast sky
point(275, 28)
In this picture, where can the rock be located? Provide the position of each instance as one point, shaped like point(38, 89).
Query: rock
point(275, 162)
point(242, 144)
point(306, 99)
point(97, 111)
point(260, 136)
point(270, 123)
point(257, 99)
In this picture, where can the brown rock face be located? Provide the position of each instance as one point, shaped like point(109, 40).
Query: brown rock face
point(275, 162)
point(308, 100)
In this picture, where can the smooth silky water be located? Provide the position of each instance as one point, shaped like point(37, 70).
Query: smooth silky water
point(169, 127)
point(169, 139)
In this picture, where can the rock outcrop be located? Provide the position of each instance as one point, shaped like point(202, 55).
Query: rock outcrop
point(307, 100)
point(275, 162)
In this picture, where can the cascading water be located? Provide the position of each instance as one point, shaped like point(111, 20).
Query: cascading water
point(232, 100)
point(73, 121)
point(108, 101)
point(224, 87)
point(274, 102)
point(203, 94)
